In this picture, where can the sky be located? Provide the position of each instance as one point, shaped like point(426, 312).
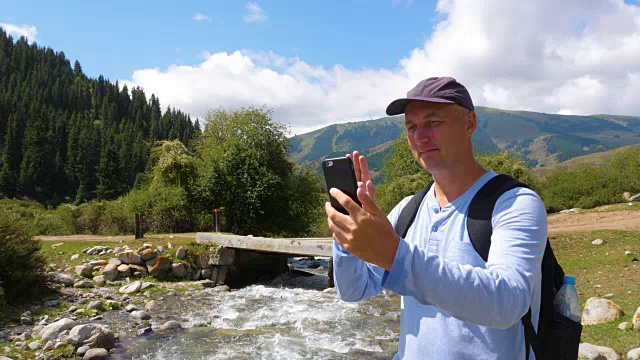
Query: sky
point(317, 63)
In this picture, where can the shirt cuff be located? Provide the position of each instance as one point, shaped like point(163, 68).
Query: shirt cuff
point(392, 280)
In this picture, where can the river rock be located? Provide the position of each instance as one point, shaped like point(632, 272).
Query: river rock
point(115, 261)
point(595, 352)
point(634, 354)
point(51, 331)
point(82, 350)
point(61, 278)
point(131, 288)
point(148, 254)
point(96, 354)
point(96, 305)
point(123, 270)
point(99, 280)
point(101, 337)
point(181, 253)
point(221, 288)
point(207, 283)
point(79, 334)
point(137, 270)
point(83, 284)
point(146, 285)
point(139, 314)
point(113, 305)
point(178, 270)
point(146, 331)
point(130, 257)
point(83, 270)
point(131, 308)
point(597, 242)
point(110, 272)
point(598, 311)
point(150, 305)
point(206, 273)
point(170, 325)
point(160, 266)
point(35, 345)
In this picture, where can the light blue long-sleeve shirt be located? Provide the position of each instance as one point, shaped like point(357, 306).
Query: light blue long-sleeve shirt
point(454, 305)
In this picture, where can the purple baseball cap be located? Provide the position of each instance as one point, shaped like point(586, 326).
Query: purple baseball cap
point(445, 90)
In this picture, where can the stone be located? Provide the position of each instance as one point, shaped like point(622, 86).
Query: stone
point(99, 262)
point(170, 325)
point(79, 334)
point(82, 350)
point(181, 253)
point(588, 351)
point(146, 285)
point(138, 269)
point(206, 273)
point(597, 242)
point(598, 311)
point(131, 308)
point(169, 245)
point(110, 272)
point(96, 354)
point(146, 331)
point(196, 275)
point(96, 305)
point(115, 261)
point(99, 280)
point(160, 249)
point(160, 266)
point(60, 278)
point(85, 284)
point(51, 331)
point(130, 257)
point(150, 305)
point(72, 309)
point(56, 245)
point(131, 288)
point(139, 314)
point(178, 270)
point(148, 254)
point(123, 270)
point(206, 283)
point(75, 256)
point(83, 270)
point(147, 246)
point(624, 325)
point(636, 319)
point(101, 337)
point(35, 345)
point(114, 305)
point(48, 346)
point(634, 354)
point(221, 288)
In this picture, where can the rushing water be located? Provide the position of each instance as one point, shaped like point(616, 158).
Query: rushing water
point(291, 317)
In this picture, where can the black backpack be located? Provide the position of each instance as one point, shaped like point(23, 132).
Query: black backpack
point(558, 337)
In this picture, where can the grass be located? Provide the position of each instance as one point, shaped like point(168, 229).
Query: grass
point(602, 270)
point(635, 206)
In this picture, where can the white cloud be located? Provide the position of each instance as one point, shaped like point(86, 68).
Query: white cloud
point(201, 17)
point(254, 13)
point(572, 57)
point(28, 31)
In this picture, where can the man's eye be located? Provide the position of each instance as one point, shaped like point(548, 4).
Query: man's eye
point(434, 123)
point(411, 128)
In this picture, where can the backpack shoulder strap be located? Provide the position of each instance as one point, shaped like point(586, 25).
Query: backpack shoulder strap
point(481, 209)
point(409, 212)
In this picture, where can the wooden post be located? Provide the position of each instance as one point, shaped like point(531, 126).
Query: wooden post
point(137, 220)
point(216, 216)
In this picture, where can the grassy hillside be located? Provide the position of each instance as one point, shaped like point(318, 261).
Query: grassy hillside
point(541, 139)
point(596, 159)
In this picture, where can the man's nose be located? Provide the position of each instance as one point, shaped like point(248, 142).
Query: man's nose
point(422, 135)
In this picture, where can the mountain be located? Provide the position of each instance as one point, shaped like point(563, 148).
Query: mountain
point(541, 139)
point(596, 159)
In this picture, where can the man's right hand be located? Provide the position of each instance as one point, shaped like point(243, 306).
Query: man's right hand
point(363, 176)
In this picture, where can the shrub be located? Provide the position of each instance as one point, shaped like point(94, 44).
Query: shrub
point(89, 217)
point(21, 263)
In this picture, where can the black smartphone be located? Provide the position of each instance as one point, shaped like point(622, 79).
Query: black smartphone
point(340, 174)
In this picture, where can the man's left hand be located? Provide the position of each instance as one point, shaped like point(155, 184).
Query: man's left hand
point(365, 232)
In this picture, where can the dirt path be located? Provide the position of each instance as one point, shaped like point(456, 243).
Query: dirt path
point(577, 222)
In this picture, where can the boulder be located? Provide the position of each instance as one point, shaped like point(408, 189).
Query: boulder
point(115, 261)
point(101, 337)
point(99, 262)
point(178, 270)
point(97, 305)
point(181, 253)
point(79, 334)
point(96, 354)
point(35, 345)
point(598, 311)
point(206, 273)
point(83, 270)
point(148, 254)
point(85, 284)
point(634, 354)
point(595, 352)
point(99, 280)
point(51, 331)
point(123, 270)
point(150, 305)
point(61, 278)
point(110, 272)
point(636, 319)
point(130, 257)
point(160, 266)
point(131, 288)
point(139, 314)
point(170, 325)
point(139, 269)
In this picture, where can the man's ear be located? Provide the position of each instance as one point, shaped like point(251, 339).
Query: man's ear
point(471, 122)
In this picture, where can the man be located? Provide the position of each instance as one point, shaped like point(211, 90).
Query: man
point(454, 305)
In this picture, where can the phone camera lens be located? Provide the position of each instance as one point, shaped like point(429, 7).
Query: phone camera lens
point(329, 163)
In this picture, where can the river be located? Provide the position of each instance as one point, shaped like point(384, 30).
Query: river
point(291, 317)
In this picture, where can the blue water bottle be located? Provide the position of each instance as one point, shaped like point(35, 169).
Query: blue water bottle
point(566, 301)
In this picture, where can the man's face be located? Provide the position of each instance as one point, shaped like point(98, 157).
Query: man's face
point(439, 135)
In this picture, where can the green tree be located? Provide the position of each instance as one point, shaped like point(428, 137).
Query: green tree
point(245, 170)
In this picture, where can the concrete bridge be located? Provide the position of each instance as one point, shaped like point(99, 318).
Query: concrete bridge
point(242, 260)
